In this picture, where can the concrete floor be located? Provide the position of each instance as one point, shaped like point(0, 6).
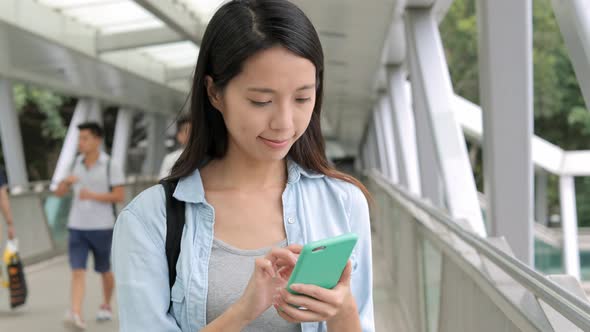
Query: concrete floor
point(49, 293)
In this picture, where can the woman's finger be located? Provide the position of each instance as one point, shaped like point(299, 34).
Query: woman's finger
point(295, 315)
point(321, 308)
point(281, 255)
point(317, 292)
point(285, 272)
point(265, 266)
point(295, 248)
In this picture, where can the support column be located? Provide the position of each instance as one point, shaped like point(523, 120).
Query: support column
point(506, 90)
point(573, 17)
point(156, 144)
point(373, 151)
point(122, 136)
point(365, 153)
point(380, 138)
point(433, 95)
point(389, 136)
point(404, 128)
point(569, 225)
point(70, 146)
point(95, 112)
point(12, 140)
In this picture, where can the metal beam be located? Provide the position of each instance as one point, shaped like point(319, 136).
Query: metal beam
point(122, 137)
point(27, 57)
point(95, 113)
point(573, 17)
point(180, 20)
point(389, 136)
point(569, 224)
point(156, 148)
point(404, 128)
point(506, 90)
point(545, 155)
point(380, 141)
point(69, 148)
point(179, 73)
point(433, 100)
point(12, 140)
point(135, 39)
point(45, 47)
point(373, 151)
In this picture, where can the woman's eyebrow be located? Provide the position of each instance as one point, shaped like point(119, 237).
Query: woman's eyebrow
point(268, 90)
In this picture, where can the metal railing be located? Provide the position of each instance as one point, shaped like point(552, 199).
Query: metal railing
point(398, 211)
point(41, 218)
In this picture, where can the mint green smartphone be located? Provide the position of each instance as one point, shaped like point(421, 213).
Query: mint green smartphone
point(321, 262)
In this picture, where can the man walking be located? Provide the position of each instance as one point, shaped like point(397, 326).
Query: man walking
point(97, 184)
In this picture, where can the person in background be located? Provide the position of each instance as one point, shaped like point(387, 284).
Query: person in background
point(97, 183)
point(183, 128)
point(5, 207)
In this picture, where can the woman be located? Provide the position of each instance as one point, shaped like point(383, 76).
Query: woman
point(254, 176)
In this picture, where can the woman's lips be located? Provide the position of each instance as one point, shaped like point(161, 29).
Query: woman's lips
point(275, 144)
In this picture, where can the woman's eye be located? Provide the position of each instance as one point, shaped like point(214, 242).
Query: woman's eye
point(303, 100)
point(259, 103)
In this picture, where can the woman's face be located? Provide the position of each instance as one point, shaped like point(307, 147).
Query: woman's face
point(268, 106)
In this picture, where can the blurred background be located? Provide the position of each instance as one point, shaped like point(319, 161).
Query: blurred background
point(467, 119)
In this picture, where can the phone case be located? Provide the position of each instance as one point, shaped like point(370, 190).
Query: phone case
point(321, 262)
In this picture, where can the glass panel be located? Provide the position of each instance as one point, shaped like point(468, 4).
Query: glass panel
point(132, 26)
point(548, 259)
point(174, 54)
point(431, 267)
point(60, 4)
point(110, 14)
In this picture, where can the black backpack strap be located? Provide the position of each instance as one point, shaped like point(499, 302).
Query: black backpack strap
point(175, 220)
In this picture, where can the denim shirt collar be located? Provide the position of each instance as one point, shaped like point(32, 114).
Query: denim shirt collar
point(190, 188)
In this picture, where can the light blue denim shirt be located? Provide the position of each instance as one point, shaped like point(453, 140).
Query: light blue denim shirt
point(314, 207)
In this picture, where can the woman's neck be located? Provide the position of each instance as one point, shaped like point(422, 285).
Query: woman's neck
point(235, 171)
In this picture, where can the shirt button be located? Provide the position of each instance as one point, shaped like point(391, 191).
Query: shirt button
point(291, 220)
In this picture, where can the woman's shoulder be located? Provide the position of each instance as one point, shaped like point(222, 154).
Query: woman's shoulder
point(146, 211)
point(151, 200)
point(345, 191)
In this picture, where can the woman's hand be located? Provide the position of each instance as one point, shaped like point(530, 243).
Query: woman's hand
point(320, 304)
point(270, 272)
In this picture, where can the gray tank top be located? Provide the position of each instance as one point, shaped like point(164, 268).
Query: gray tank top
point(229, 272)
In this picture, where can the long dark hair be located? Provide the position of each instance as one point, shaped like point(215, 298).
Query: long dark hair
point(238, 30)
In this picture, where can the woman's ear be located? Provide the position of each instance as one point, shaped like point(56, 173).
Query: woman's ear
point(213, 93)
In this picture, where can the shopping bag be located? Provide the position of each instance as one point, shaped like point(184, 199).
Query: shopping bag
point(16, 275)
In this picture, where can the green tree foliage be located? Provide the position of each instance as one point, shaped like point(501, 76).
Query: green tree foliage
point(43, 117)
point(561, 116)
point(46, 103)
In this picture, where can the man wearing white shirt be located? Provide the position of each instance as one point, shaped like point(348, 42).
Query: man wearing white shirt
point(183, 128)
point(97, 183)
